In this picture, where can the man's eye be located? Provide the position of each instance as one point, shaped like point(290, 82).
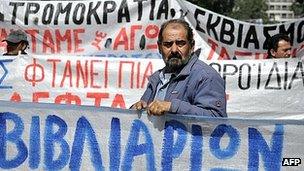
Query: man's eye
point(179, 43)
point(168, 44)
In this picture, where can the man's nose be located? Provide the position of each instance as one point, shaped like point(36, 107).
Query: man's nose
point(174, 47)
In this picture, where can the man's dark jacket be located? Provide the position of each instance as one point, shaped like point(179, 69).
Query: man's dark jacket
point(197, 90)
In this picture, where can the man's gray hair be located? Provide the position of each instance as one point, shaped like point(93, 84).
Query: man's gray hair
point(184, 23)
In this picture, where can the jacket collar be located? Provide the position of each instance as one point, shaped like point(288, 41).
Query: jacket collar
point(187, 69)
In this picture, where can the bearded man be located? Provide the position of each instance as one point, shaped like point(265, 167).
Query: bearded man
point(185, 85)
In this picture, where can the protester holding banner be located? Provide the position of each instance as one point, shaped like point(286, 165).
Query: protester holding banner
point(279, 46)
point(16, 43)
point(185, 85)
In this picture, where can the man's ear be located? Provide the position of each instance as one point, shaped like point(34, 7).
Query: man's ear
point(273, 53)
point(192, 45)
point(159, 47)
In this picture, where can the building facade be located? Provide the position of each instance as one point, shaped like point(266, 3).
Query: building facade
point(279, 10)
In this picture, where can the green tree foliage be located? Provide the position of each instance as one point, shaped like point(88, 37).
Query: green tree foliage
point(246, 10)
point(223, 7)
point(298, 8)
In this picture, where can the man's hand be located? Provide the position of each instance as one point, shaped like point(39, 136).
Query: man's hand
point(158, 107)
point(139, 105)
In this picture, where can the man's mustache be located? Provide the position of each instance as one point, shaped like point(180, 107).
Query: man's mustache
point(175, 55)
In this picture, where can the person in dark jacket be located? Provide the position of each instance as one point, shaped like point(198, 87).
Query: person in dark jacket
point(279, 46)
point(185, 85)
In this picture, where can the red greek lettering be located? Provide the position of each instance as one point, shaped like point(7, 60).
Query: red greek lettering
point(121, 39)
point(16, 97)
point(99, 36)
point(54, 61)
point(241, 53)
point(93, 73)
point(118, 102)
point(3, 35)
point(260, 55)
point(67, 73)
point(214, 46)
point(77, 40)
point(65, 37)
point(151, 32)
point(68, 98)
point(138, 75)
point(82, 73)
point(33, 34)
point(147, 73)
point(48, 42)
point(34, 76)
point(39, 95)
point(98, 97)
point(132, 39)
point(120, 77)
point(106, 74)
point(223, 54)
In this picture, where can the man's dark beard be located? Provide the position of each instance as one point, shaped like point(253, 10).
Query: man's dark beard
point(175, 63)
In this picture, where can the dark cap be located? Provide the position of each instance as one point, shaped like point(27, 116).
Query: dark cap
point(16, 36)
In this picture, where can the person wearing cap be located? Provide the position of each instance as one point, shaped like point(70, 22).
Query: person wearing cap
point(16, 43)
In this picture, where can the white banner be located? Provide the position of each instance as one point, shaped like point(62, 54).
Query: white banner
point(129, 29)
point(255, 89)
point(227, 38)
point(53, 137)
